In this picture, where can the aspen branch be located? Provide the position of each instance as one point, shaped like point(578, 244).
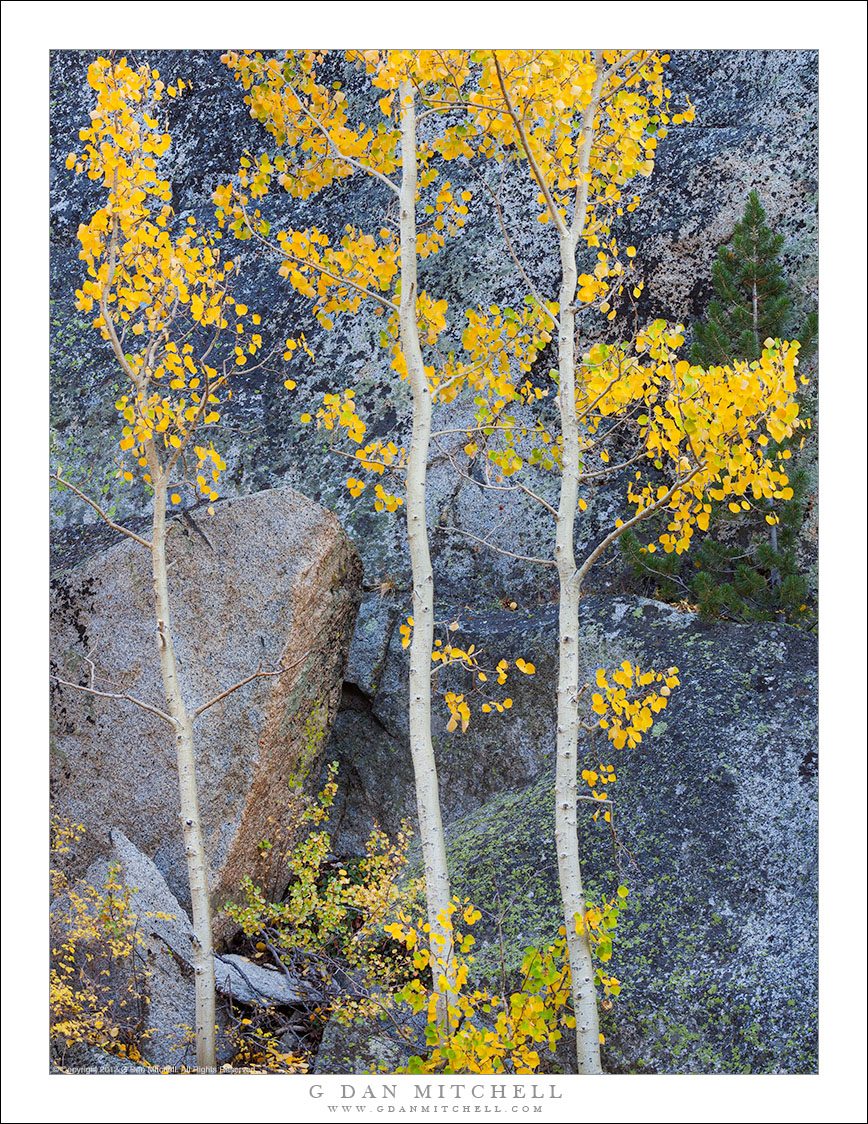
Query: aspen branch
point(115, 526)
point(557, 218)
point(463, 373)
point(444, 381)
point(216, 335)
point(435, 109)
point(363, 289)
point(341, 155)
point(613, 536)
point(514, 255)
point(613, 70)
point(585, 410)
point(517, 487)
point(104, 295)
point(258, 674)
point(277, 249)
point(461, 476)
point(497, 549)
point(126, 698)
point(583, 476)
point(478, 429)
point(605, 437)
point(192, 426)
point(396, 467)
point(456, 85)
point(438, 105)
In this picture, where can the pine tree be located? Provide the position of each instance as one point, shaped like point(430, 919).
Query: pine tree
point(752, 302)
point(761, 581)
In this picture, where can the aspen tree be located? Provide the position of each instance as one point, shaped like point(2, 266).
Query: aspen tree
point(584, 123)
point(316, 145)
point(160, 291)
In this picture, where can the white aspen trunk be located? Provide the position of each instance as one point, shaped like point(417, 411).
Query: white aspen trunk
point(566, 780)
point(437, 887)
point(566, 783)
point(194, 843)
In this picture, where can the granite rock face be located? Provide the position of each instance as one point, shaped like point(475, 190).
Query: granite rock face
point(716, 820)
point(268, 581)
point(756, 127)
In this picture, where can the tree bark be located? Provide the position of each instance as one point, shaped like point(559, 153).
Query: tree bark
point(191, 823)
point(566, 781)
point(437, 887)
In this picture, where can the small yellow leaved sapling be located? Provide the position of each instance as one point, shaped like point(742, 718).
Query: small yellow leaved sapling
point(97, 987)
point(328, 926)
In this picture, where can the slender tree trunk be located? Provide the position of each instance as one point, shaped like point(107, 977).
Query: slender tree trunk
point(437, 887)
point(566, 777)
point(194, 843)
point(566, 838)
point(566, 781)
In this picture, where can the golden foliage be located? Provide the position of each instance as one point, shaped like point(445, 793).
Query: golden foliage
point(97, 988)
